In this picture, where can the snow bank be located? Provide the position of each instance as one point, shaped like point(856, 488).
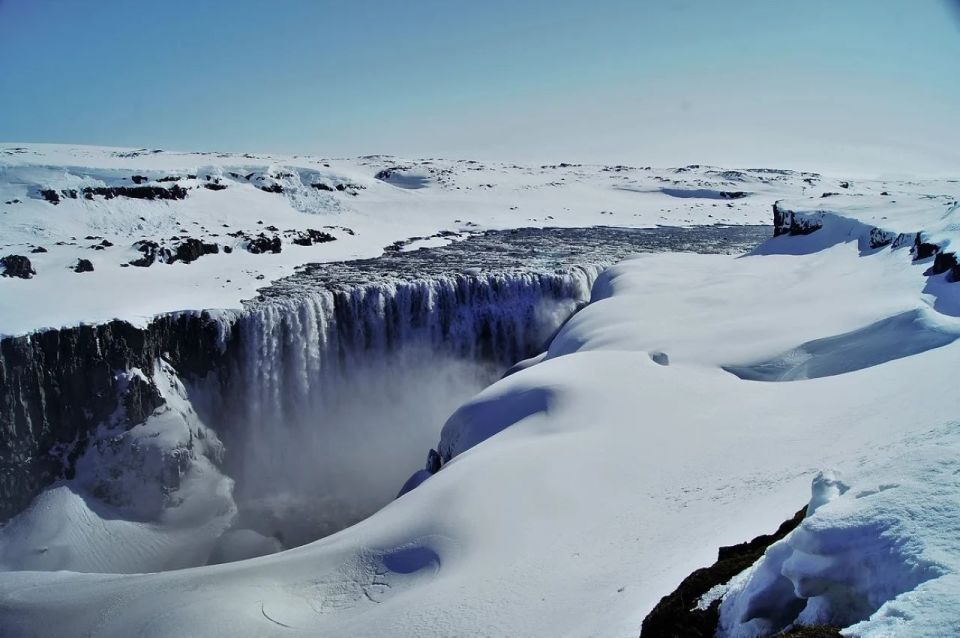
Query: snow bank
point(878, 553)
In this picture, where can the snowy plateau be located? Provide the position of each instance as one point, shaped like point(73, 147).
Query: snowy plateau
point(253, 395)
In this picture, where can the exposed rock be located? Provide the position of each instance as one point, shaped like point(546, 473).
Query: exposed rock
point(139, 179)
point(677, 615)
point(151, 251)
point(880, 238)
point(787, 223)
point(214, 186)
point(922, 249)
point(83, 265)
point(945, 262)
point(136, 192)
point(310, 236)
point(51, 196)
point(17, 266)
point(58, 386)
point(39, 249)
point(191, 249)
point(263, 244)
point(434, 461)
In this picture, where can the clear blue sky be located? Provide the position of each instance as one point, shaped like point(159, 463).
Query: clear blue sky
point(736, 81)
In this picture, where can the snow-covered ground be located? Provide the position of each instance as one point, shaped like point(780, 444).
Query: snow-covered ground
point(230, 201)
point(689, 406)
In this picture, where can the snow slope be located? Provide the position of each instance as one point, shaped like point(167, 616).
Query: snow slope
point(364, 204)
point(580, 489)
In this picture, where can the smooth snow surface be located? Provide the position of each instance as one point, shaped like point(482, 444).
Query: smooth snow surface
point(584, 486)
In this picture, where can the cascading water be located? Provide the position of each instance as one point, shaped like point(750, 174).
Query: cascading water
point(326, 391)
point(331, 398)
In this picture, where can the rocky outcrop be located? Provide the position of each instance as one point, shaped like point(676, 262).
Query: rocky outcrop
point(264, 244)
point(192, 249)
point(110, 192)
point(136, 192)
point(58, 386)
point(786, 222)
point(17, 266)
point(83, 265)
point(680, 612)
point(310, 236)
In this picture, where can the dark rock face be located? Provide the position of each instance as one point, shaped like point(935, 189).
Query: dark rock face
point(311, 236)
point(786, 223)
point(51, 196)
point(922, 249)
point(434, 461)
point(191, 249)
point(263, 244)
point(151, 251)
point(212, 186)
point(17, 266)
point(945, 262)
point(187, 250)
point(880, 238)
point(136, 192)
point(83, 265)
point(675, 616)
point(57, 386)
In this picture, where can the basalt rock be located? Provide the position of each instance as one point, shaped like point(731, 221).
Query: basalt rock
point(151, 251)
point(310, 236)
point(263, 244)
point(17, 266)
point(83, 265)
point(58, 386)
point(192, 249)
point(677, 615)
point(922, 249)
point(136, 192)
point(785, 222)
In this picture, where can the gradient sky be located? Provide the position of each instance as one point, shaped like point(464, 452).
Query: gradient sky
point(844, 84)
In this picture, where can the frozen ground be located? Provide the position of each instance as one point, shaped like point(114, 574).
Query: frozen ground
point(365, 205)
point(579, 490)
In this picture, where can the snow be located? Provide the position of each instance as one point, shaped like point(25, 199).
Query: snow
point(134, 523)
point(368, 215)
point(587, 484)
point(876, 553)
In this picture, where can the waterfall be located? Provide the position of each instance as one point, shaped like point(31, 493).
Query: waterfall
point(328, 399)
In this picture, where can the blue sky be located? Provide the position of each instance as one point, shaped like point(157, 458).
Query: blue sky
point(748, 81)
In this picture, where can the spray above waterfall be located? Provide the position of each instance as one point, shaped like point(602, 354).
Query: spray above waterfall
point(328, 390)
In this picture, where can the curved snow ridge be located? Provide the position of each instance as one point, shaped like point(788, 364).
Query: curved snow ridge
point(877, 554)
point(929, 225)
point(902, 335)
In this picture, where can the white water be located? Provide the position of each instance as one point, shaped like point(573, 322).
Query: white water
point(332, 398)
